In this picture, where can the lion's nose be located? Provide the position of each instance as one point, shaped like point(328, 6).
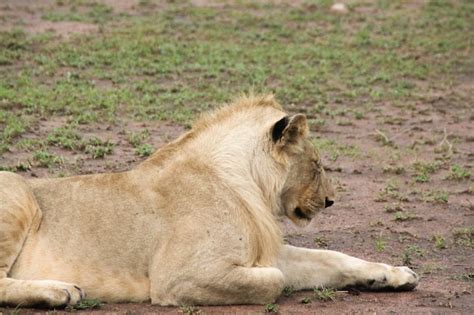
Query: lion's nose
point(328, 203)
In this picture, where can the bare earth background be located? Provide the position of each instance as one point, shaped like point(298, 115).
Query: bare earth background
point(96, 86)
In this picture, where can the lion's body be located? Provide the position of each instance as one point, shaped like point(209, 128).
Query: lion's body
point(195, 223)
point(93, 228)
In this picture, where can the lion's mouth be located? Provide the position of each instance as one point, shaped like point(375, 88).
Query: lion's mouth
point(303, 215)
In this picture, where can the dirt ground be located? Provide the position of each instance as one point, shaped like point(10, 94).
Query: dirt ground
point(399, 200)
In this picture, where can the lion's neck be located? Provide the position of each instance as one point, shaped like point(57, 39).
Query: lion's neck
point(241, 161)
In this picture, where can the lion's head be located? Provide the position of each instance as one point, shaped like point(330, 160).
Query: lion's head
point(306, 189)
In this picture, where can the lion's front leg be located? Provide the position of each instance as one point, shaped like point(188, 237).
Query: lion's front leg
point(308, 268)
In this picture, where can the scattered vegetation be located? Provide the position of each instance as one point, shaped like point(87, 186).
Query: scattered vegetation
point(402, 216)
point(189, 310)
point(409, 252)
point(380, 245)
point(393, 207)
point(440, 242)
point(137, 138)
point(288, 291)
point(436, 196)
point(85, 304)
point(46, 159)
point(391, 191)
point(98, 148)
point(325, 294)
point(65, 138)
point(321, 241)
point(428, 268)
point(82, 12)
point(358, 115)
point(381, 137)
point(336, 150)
point(466, 277)
point(144, 150)
point(424, 169)
point(394, 169)
point(458, 173)
point(20, 167)
point(464, 236)
point(376, 223)
point(271, 308)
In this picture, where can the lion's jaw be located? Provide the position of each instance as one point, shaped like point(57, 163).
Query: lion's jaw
point(302, 216)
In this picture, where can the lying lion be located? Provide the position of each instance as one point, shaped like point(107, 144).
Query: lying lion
point(194, 224)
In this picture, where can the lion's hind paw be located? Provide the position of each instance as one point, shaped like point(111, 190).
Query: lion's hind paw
point(56, 293)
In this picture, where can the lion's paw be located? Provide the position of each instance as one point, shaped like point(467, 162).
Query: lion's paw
point(56, 293)
point(404, 279)
point(396, 278)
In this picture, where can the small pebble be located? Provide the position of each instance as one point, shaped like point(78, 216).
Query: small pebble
point(339, 8)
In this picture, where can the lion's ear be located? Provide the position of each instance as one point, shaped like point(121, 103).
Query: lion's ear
point(290, 130)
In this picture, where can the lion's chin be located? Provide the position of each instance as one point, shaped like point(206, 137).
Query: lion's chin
point(300, 217)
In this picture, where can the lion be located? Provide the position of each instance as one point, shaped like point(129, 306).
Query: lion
point(196, 223)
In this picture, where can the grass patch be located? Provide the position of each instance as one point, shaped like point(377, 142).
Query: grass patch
point(144, 150)
point(409, 252)
point(401, 216)
point(189, 310)
point(20, 167)
point(137, 138)
point(321, 241)
point(391, 190)
point(394, 169)
point(380, 245)
point(98, 148)
point(325, 294)
point(464, 237)
point(394, 207)
point(424, 169)
point(179, 60)
point(288, 291)
point(435, 196)
point(439, 242)
point(335, 150)
point(46, 159)
point(85, 304)
point(466, 277)
point(88, 12)
point(12, 125)
point(12, 46)
point(271, 308)
point(458, 173)
point(65, 138)
point(29, 144)
point(381, 137)
point(427, 269)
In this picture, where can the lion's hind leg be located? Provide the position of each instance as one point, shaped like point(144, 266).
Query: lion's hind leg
point(19, 214)
point(219, 285)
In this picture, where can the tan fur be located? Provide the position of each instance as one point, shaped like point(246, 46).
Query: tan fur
point(193, 224)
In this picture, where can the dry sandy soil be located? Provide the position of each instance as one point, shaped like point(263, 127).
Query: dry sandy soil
point(385, 211)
